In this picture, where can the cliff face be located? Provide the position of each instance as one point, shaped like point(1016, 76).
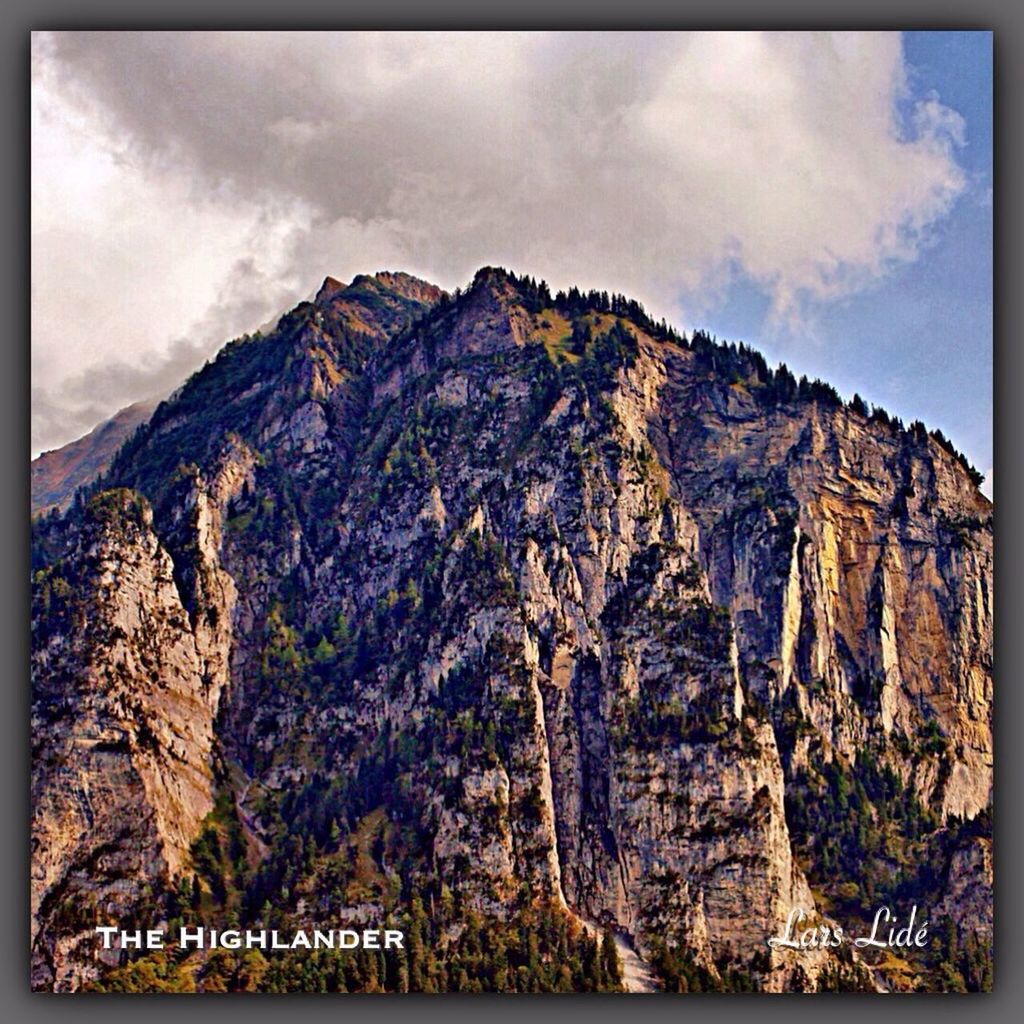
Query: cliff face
point(566, 608)
point(879, 617)
point(122, 730)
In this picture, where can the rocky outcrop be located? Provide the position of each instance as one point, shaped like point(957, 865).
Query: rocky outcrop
point(968, 899)
point(122, 723)
point(859, 572)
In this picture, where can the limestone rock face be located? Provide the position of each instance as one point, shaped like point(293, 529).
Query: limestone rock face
point(883, 612)
point(122, 723)
point(583, 607)
point(968, 900)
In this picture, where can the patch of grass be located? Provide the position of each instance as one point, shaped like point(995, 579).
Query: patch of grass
point(555, 332)
point(368, 877)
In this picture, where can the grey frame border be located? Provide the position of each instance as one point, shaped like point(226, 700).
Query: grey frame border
point(19, 17)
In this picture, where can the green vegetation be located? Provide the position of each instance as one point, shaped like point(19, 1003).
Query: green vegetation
point(680, 972)
point(537, 950)
point(865, 839)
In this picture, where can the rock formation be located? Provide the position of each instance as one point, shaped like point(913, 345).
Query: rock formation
point(520, 598)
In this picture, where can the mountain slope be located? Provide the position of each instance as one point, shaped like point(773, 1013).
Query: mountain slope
point(57, 474)
point(523, 613)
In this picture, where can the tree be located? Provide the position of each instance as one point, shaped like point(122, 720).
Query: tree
point(251, 971)
point(610, 960)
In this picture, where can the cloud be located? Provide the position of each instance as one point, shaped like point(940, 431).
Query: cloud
point(662, 165)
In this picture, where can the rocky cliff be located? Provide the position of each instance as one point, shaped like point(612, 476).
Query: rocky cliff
point(458, 607)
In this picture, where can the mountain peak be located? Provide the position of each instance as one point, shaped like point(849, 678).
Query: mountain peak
point(490, 275)
point(408, 286)
point(396, 282)
point(329, 289)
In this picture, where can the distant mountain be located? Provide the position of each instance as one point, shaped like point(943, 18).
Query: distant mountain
point(57, 474)
point(582, 651)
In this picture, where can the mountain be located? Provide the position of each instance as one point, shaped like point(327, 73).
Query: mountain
point(582, 651)
point(57, 474)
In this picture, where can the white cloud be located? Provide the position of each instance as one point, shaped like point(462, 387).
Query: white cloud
point(655, 164)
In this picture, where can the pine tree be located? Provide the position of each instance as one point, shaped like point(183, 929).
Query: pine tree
point(610, 960)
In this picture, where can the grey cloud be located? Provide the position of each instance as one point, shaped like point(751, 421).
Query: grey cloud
point(79, 403)
point(657, 164)
point(82, 400)
point(55, 421)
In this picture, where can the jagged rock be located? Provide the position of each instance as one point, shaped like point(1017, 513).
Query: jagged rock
point(122, 735)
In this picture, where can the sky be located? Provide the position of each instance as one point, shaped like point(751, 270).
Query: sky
point(824, 197)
